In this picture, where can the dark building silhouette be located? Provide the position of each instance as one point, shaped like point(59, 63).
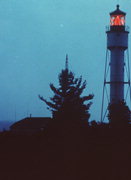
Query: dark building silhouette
point(30, 125)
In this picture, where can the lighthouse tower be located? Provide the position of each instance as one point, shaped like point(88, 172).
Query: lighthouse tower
point(117, 43)
point(117, 46)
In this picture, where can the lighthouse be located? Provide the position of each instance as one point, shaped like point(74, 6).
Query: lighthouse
point(116, 65)
point(117, 43)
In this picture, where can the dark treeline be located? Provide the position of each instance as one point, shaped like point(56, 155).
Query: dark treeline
point(78, 153)
point(69, 148)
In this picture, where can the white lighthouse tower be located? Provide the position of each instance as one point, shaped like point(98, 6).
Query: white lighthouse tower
point(116, 64)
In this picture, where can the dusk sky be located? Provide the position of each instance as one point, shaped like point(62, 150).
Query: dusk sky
point(35, 36)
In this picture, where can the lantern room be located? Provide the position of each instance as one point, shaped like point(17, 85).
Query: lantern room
point(117, 17)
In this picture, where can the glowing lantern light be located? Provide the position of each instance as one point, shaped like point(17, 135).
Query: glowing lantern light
point(117, 17)
point(117, 20)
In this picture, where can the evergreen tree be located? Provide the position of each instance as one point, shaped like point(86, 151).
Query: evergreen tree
point(67, 102)
point(119, 114)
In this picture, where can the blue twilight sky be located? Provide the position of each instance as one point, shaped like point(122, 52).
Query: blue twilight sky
point(35, 36)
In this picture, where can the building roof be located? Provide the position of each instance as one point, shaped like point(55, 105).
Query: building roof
point(31, 123)
point(117, 11)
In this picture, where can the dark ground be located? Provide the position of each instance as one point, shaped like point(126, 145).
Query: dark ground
point(93, 153)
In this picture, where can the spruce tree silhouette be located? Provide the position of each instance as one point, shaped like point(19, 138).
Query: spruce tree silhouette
point(119, 114)
point(67, 104)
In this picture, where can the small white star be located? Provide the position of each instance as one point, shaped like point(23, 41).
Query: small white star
point(61, 25)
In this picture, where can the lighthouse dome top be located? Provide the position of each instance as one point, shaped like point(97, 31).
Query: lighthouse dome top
point(117, 11)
